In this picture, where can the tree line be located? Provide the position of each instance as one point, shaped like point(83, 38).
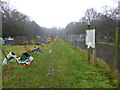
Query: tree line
point(15, 23)
point(105, 22)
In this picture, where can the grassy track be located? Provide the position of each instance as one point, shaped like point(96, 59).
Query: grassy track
point(64, 67)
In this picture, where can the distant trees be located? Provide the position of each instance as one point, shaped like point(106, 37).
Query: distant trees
point(105, 22)
point(15, 23)
point(52, 31)
point(90, 14)
point(75, 27)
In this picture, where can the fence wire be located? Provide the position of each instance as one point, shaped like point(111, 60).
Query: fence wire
point(105, 44)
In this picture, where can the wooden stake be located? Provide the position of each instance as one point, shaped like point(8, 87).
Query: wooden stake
point(94, 56)
point(25, 43)
point(88, 54)
point(5, 55)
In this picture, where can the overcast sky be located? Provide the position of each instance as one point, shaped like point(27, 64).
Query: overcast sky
point(59, 13)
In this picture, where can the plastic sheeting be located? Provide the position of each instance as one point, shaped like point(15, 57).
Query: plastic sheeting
point(11, 57)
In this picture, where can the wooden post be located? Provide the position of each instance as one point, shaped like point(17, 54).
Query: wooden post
point(118, 54)
point(94, 50)
point(88, 54)
point(88, 49)
point(118, 45)
point(116, 57)
point(66, 36)
point(116, 50)
point(5, 55)
point(93, 59)
point(25, 45)
point(73, 39)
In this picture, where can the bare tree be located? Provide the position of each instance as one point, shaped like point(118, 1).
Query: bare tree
point(90, 15)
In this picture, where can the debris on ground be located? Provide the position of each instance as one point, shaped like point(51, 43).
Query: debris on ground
point(61, 56)
point(50, 51)
point(58, 70)
point(36, 49)
point(11, 57)
point(59, 66)
point(43, 42)
point(25, 59)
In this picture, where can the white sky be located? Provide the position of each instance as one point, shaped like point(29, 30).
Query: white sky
point(59, 13)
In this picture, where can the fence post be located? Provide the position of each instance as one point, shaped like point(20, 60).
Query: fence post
point(94, 50)
point(25, 45)
point(88, 49)
point(116, 51)
point(117, 48)
point(93, 61)
point(118, 55)
point(5, 55)
point(66, 36)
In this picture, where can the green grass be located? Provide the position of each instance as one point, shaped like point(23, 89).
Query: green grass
point(65, 67)
point(17, 49)
point(106, 43)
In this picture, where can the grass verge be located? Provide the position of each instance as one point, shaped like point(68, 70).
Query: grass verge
point(64, 67)
point(106, 43)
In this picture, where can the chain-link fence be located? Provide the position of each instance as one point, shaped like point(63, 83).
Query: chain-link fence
point(105, 44)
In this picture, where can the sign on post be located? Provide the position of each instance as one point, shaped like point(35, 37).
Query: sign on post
point(90, 42)
point(90, 38)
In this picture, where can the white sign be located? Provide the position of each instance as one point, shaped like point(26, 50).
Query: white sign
point(90, 38)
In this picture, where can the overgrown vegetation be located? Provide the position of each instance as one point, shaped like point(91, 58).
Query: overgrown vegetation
point(64, 67)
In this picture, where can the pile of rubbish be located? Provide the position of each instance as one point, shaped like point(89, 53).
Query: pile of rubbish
point(49, 39)
point(36, 49)
point(24, 59)
point(11, 57)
